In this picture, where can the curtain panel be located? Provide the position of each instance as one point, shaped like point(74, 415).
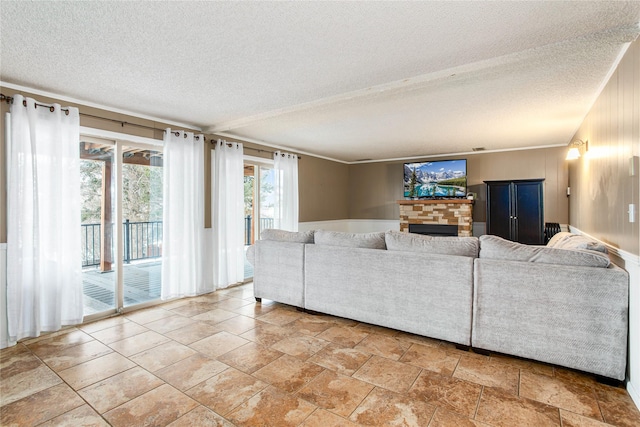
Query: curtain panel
point(227, 213)
point(286, 191)
point(44, 276)
point(183, 247)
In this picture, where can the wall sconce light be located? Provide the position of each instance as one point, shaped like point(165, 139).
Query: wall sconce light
point(574, 148)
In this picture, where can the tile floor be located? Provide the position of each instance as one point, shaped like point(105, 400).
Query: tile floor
point(224, 360)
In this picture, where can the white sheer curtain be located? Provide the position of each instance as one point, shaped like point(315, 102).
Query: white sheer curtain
point(286, 191)
point(183, 245)
point(44, 276)
point(227, 213)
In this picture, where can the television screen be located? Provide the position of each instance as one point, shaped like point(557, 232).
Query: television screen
point(443, 178)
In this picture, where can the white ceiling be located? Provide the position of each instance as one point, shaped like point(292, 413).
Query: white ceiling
point(343, 80)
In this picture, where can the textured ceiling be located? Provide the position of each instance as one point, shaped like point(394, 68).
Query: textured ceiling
point(344, 80)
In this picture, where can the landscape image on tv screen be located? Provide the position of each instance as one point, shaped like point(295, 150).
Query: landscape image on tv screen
point(444, 178)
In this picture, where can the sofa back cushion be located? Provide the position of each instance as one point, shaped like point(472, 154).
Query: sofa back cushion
point(350, 240)
point(565, 240)
point(409, 242)
point(494, 247)
point(287, 236)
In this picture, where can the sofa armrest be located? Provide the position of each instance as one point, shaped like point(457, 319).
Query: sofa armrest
point(571, 316)
point(278, 272)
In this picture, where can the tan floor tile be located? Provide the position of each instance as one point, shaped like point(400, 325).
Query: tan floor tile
point(529, 365)
point(374, 329)
point(344, 360)
point(502, 409)
point(22, 374)
point(157, 407)
point(179, 302)
point(384, 346)
point(323, 418)
point(201, 416)
point(250, 357)
point(47, 347)
point(569, 419)
point(162, 356)
point(48, 335)
point(120, 388)
point(190, 371)
point(192, 333)
point(148, 315)
point(237, 325)
point(267, 334)
point(214, 316)
point(81, 416)
point(226, 391)
point(443, 418)
point(432, 358)
point(418, 339)
point(310, 325)
point(232, 303)
point(388, 374)
point(384, 407)
point(138, 343)
point(336, 393)
point(218, 344)
point(168, 324)
point(193, 308)
point(84, 374)
point(118, 332)
point(280, 317)
point(271, 407)
point(71, 356)
point(342, 335)
point(300, 346)
point(256, 310)
point(99, 325)
point(489, 373)
point(617, 406)
point(50, 403)
point(572, 396)
point(288, 373)
point(211, 297)
point(449, 393)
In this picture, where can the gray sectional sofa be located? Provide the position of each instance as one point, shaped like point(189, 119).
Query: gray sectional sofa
point(564, 303)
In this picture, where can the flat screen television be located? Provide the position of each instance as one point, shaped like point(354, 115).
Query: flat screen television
point(439, 179)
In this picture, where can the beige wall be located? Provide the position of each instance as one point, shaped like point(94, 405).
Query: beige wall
point(602, 187)
point(375, 187)
point(323, 189)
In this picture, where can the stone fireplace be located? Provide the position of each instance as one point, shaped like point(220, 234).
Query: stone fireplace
point(456, 212)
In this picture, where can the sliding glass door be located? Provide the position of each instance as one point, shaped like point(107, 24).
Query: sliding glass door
point(121, 224)
point(258, 203)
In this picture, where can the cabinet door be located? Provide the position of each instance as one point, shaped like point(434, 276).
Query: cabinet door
point(499, 209)
point(528, 213)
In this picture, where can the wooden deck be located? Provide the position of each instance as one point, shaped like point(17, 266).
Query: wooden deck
point(141, 283)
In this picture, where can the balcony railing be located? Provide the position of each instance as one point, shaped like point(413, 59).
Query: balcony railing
point(264, 224)
point(142, 240)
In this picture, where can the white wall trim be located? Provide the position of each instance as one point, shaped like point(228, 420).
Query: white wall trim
point(632, 265)
point(352, 225)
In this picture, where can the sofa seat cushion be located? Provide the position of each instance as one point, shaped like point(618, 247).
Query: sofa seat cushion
point(287, 236)
point(350, 240)
point(409, 242)
point(565, 240)
point(494, 247)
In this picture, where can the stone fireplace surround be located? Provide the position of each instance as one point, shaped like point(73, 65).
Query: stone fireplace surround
point(438, 211)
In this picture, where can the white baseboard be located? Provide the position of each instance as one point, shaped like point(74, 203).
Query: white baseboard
point(631, 263)
point(352, 225)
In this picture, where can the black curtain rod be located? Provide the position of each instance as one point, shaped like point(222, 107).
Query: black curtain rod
point(9, 100)
point(260, 150)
